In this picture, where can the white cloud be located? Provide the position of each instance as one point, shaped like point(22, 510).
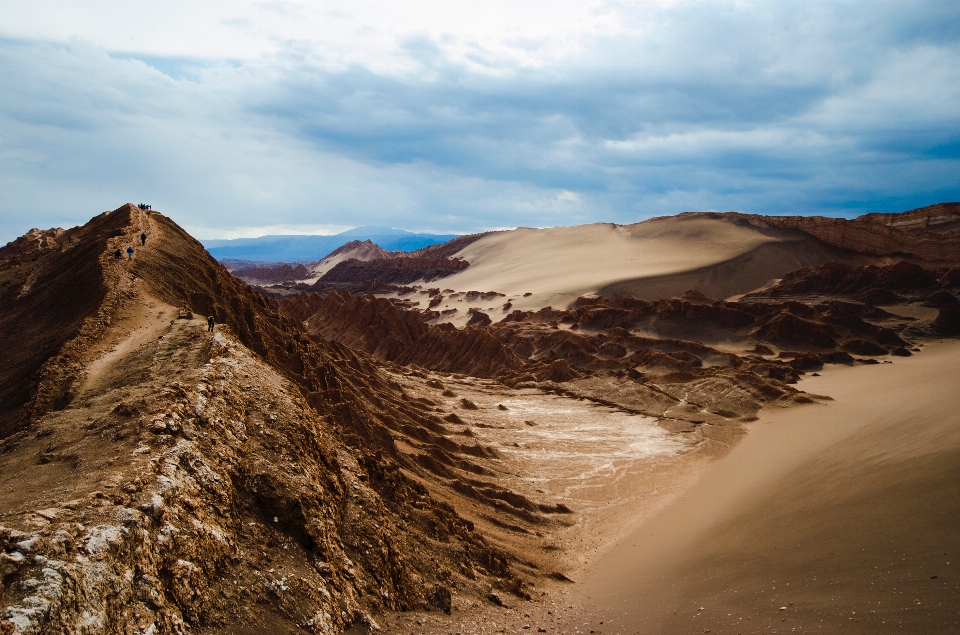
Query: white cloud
point(529, 33)
point(241, 117)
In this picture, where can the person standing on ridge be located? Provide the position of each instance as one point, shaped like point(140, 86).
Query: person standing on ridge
point(118, 255)
point(210, 323)
point(129, 253)
point(143, 239)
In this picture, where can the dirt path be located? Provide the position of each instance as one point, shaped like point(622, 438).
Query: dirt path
point(141, 322)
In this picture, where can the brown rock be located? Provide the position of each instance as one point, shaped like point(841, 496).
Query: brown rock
point(787, 327)
point(941, 298)
point(948, 320)
point(859, 346)
point(478, 318)
point(275, 272)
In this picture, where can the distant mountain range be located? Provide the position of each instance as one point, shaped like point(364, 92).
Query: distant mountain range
point(305, 248)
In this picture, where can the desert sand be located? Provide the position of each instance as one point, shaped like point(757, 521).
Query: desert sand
point(559, 264)
point(844, 513)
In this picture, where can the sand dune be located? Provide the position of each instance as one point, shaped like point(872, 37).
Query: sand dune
point(844, 514)
point(652, 259)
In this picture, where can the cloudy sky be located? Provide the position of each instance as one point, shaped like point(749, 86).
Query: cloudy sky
point(248, 118)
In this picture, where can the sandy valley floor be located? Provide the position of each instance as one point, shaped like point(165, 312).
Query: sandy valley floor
point(836, 517)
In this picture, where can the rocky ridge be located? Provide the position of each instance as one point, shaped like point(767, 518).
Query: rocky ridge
point(220, 481)
point(929, 233)
point(274, 273)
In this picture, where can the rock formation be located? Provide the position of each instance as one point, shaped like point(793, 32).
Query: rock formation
point(396, 270)
point(275, 272)
point(32, 244)
point(839, 278)
point(930, 233)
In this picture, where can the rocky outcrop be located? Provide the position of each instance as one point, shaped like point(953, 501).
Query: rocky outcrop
point(948, 319)
point(840, 278)
point(276, 272)
point(585, 345)
point(940, 298)
point(929, 233)
point(379, 327)
point(471, 351)
point(942, 218)
point(363, 250)
point(478, 318)
point(365, 323)
point(32, 243)
point(368, 263)
point(450, 248)
point(397, 270)
point(785, 327)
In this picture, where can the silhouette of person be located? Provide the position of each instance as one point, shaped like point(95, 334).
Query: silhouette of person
point(118, 255)
point(129, 253)
point(210, 323)
point(143, 239)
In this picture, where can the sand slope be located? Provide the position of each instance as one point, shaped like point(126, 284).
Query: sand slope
point(652, 259)
point(845, 514)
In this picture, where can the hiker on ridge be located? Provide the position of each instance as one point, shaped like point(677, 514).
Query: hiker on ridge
point(143, 238)
point(129, 253)
point(210, 323)
point(118, 255)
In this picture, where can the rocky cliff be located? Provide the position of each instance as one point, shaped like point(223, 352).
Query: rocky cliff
point(277, 272)
point(398, 270)
point(930, 233)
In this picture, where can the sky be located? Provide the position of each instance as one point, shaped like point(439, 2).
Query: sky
point(251, 118)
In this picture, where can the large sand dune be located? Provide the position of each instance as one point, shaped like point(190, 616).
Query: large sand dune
point(652, 259)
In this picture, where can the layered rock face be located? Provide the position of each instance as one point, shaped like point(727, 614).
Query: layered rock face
point(379, 327)
point(32, 244)
point(840, 278)
point(280, 272)
point(397, 270)
point(162, 478)
point(931, 233)
point(364, 323)
point(942, 218)
point(472, 351)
